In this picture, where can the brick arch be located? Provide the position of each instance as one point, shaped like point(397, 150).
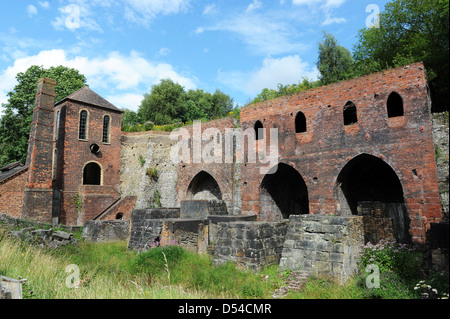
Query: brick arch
point(283, 192)
point(92, 173)
point(204, 186)
point(367, 184)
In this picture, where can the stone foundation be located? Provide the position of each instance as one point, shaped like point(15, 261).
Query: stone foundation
point(329, 246)
point(250, 245)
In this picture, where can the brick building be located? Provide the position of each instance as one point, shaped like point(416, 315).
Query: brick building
point(361, 146)
point(355, 147)
point(73, 159)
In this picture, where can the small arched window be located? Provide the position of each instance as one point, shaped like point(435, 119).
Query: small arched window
point(82, 132)
point(58, 119)
point(259, 130)
point(300, 123)
point(394, 105)
point(92, 174)
point(106, 128)
point(350, 115)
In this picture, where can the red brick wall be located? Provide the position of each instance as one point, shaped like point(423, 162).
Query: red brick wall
point(11, 194)
point(221, 172)
point(38, 193)
point(74, 154)
point(405, 143)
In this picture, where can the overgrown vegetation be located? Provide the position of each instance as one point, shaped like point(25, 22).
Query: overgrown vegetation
point(409, 31)
point(110, 270)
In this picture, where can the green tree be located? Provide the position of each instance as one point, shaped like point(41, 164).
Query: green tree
point(165, 103)
point(410, 31)
point(335, 62)
point(222, 104)
point(18, 111)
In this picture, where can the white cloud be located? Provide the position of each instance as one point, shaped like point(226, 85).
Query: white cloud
point(164, 51)
point(76, 15)
point(129, 101)
point(144, 11)
point(210, 9)
point(329, 20)
point(124, 76)
point(325, 6)
point(286, 70)
point(44, 4)
point(324, 3)
point(31, 11)
point(253, 6)
point(264, 34)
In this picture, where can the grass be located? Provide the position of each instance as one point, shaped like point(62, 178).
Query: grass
point(111, 271)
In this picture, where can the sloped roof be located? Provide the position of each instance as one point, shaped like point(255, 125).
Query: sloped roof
point(11, 170)
point(86, 95)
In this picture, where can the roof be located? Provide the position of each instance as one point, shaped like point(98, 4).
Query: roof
point(86, 95)
point(11, 170)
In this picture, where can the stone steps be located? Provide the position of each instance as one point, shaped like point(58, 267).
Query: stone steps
point(296, 281)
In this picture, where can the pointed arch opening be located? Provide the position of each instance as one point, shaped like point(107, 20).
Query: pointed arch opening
point(367, 185)
point(204, 187)
point(283, 192)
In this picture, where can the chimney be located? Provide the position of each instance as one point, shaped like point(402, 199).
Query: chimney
point(38, 191)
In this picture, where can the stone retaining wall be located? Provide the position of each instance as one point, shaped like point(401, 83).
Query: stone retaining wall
point(106, 230)
point(250, 245)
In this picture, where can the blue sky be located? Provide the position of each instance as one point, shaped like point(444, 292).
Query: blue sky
point(124, 47)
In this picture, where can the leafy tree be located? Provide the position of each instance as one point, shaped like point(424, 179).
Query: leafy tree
point(335, 62)
point(268, 94)
point(18, 112)
point(164, 104)
point(222, 104)
point(410, 31)
point(168, 102)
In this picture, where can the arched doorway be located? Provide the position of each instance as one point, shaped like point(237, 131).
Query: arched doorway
point(92, 174)
point(367, 183)
point(283, 192)
point(204, 186)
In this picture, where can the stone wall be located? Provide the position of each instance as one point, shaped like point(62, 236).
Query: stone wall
point(441, 145)
point(250, 245)
point(148, 150)
point(329, 246)
point(106, 230)
point(202, 208)
point(146, 225)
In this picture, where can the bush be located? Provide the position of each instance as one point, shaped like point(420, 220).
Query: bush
point(392, 257)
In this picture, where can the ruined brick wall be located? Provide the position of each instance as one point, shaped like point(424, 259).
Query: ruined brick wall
point(74, 153)
point(38, 191)
point(320, 154)
point(11, 194)
point(225, 173)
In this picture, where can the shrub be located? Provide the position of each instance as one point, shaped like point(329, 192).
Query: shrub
point(392, 257)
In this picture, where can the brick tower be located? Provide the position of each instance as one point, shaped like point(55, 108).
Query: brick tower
point(38, 195)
